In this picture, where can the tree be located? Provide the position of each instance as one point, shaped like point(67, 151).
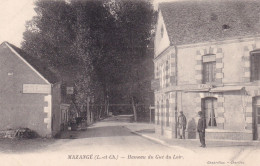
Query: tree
point(50, 34)
point(100, 45)
point(135, 22)
point(58, 36)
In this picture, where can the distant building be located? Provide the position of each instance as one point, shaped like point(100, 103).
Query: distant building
point(207, 58)
point(30, 94)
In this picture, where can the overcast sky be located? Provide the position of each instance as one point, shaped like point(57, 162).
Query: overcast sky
point(13, 15)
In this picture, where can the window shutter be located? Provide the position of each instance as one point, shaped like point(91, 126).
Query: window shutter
point(252, 59)
point(209, 72)
point(257, 67)
point(213, 71)
point(205, 72)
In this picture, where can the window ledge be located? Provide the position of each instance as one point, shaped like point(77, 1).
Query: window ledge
point(214, 83)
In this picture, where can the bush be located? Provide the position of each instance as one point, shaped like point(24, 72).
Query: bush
point(25, 133)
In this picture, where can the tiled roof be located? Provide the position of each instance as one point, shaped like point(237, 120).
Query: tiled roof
point(190, 22)
point(37, 64)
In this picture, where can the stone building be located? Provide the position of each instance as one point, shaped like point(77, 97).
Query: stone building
point(207, 58)
point(30, 95)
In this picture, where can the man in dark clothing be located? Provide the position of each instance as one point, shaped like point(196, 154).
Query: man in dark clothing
point(201, 128)
point(181, 125)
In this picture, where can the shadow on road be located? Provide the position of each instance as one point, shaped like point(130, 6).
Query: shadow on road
point(24, 145)
point(110, 127)
point(106, 131)
point(120, 118)
point(144, 131)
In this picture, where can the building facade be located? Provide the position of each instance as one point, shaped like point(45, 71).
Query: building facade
point(207, 58)
point(30, 94)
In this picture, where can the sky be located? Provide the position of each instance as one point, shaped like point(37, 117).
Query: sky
point(13, 16)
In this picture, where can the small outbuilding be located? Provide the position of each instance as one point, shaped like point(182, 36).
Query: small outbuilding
point(29, 93)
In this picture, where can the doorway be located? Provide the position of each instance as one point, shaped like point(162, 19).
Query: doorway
point(162, 118)
point(256, 118)
point(209, 106)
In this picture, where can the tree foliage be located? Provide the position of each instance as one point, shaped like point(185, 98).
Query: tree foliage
point(101, 46)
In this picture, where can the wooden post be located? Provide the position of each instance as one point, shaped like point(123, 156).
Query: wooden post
point(88, 112)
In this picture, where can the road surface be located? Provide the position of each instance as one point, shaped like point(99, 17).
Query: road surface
point(110, 142)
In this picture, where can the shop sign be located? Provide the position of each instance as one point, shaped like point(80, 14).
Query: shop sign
point(209, 58)
point(190, 87)
point(69, 90)
point(204, 86)
point(37, 88)
point(151, 107)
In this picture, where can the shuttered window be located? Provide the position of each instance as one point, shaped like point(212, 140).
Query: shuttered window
point(162, 122)
point(255, 66)
point(158, 113)
point(167, 113)
point(167, 74)
point(209, 68)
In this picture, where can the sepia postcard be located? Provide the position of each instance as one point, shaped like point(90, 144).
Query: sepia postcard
point(130, 82)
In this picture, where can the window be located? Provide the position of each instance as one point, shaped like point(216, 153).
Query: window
point(255, 66)
point(161, 76)
point(157, 72)
point(209, 68)
point(258, 114)
point(162, 31)
point(167, 113)
point(158, 113)
point(162, 113)
point(167, 73)
point(209, 106)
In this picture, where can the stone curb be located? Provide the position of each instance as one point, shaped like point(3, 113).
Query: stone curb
point(157, 140)
point(162, 142)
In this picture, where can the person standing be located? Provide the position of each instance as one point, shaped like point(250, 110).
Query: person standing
point(181, 125)
point(201, 128)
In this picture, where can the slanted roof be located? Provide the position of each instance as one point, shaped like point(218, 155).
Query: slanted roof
point(190, 22)
point(40, 67)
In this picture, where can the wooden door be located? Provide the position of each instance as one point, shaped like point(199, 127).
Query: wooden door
point(209, 107)
point(256, 118)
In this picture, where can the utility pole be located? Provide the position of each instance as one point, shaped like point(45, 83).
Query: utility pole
point(150, 108)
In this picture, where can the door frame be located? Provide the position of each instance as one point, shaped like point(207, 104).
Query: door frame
point(255, 118)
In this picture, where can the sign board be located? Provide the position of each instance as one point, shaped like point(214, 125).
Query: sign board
point(151, 107)
point(69, 90)
point(203, 86)
point(155, 84)
point(189, 87)
point(209, 58)
point(64, 106)
point(37, 88)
